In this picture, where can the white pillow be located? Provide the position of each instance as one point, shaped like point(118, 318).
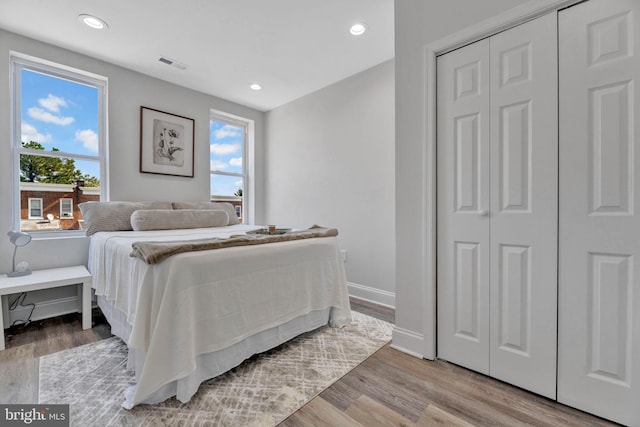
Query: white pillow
point(113, 216)
point(169, 219)
point(227, 207)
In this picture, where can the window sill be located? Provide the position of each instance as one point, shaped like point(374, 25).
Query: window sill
point(58, 234)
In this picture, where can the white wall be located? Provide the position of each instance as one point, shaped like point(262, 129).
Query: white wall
point(330, 161)
point(128, 90)
point(417, 24)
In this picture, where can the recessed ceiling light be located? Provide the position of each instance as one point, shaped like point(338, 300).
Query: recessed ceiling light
point(255, 86)
point(358, 29)
point(92, 21)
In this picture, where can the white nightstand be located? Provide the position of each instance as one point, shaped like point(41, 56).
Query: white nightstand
point(45, 279)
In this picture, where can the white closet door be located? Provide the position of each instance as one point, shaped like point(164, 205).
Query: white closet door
point(524, 205)
point(599, 299)
point(463, 205)
point(497, 206)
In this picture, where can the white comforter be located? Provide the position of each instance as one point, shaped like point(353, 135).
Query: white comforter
point(202, 302)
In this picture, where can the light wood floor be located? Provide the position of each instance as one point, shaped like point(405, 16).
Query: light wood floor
point(19, 363)
point(389, 388)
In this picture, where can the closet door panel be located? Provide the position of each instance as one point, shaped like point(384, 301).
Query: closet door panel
point(463, 202)
point(599, 299)
point(524, 205)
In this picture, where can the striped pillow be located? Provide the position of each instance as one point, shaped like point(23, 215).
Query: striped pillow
point(114, 216)
point(227, 207)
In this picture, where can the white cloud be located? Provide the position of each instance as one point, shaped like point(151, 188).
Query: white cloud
point(238, 184)
point(226, 131)
point(217, 165)
point(89, 139)
point(236, 161)
point(224, 149)
point(52, 103)
point(47, 117)
point(30, 133)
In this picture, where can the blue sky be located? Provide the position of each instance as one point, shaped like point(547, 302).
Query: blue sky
point(62, 114)
point(226, 156)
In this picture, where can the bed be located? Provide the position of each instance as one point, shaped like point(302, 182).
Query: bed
point(197, 314)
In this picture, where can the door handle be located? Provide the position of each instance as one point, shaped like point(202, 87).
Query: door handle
point(483, 213)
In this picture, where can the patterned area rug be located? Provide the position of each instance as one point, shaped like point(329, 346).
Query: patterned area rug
point(262, 391)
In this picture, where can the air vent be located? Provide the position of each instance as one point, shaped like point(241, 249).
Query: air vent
point(172, 63)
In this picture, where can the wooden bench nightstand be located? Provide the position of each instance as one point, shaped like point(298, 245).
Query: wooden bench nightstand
point(46, 279)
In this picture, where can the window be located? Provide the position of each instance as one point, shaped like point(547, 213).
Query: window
point(66, 208)
point(35, 208)
point(59, 142)
point(229, 138)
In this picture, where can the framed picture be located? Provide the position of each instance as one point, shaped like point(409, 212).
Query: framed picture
point(166, 143)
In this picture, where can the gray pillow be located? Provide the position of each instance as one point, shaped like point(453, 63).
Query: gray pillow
point(114, 216)
point(169, 219)
point(227, 207)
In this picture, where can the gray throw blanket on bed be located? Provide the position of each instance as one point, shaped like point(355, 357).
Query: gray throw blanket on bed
point(155, 252)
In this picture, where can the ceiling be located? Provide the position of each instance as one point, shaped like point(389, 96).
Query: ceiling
point(290, 47)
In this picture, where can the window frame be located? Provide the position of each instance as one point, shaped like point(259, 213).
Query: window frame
point(247, 175)
point(30, 203)
point(19, 62)
point(63, 212)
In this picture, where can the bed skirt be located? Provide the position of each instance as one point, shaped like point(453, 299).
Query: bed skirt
point(208, 365)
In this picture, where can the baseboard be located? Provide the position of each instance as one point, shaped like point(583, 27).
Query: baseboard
point(408, 342)
point(374, 295)
point(44, 310)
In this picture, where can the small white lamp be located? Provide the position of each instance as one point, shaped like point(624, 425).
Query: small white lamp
point(18, 238)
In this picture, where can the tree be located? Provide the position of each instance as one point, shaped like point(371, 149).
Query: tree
point(238, 192)
point(51, 170)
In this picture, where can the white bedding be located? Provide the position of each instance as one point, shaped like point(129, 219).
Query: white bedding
point(189, 317)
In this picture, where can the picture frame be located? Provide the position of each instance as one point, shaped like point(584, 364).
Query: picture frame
point(166, 143)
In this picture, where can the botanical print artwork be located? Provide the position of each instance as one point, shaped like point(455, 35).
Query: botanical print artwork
point(168, 143)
